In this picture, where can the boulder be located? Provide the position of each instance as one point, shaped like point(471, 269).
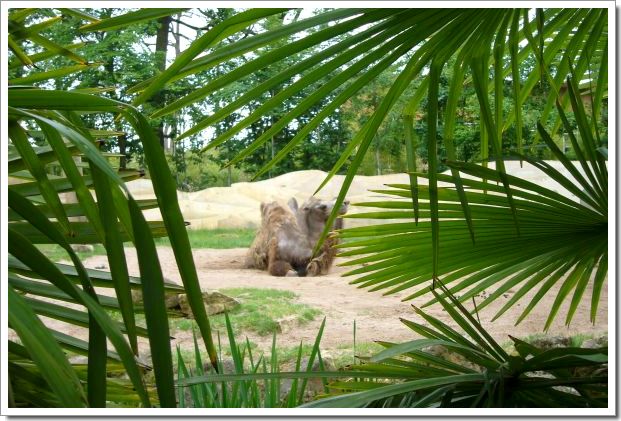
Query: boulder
point(550, 342)
point(170, 298)
point(285, 324)
point(215, 303)
point(448, 355)
point(314, 385)
point(83, 248)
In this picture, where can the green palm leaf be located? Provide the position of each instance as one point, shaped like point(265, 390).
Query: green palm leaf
point(554, 233)
point(123, 21)
point(45, 352)
point(38, 216)
point(478, 38)
point(528, 238)
point(484, 376)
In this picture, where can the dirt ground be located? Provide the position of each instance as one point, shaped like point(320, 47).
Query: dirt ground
point(377, 316)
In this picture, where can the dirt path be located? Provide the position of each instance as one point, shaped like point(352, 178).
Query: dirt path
point(377, 316)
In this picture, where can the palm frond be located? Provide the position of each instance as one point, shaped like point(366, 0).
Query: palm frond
point(560, 235)
point(111, 217)
point(480, 373)
point(479, 40)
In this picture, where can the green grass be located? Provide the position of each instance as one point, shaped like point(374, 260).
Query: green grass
point(259, 311)
point(184, 324)
point(220, 238)
point(342, 356)
point(289, 354)
point(346, 354)
point(56, 253)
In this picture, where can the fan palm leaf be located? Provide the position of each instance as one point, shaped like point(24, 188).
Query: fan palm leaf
point(562, 241)
point(520, 224)
point(423, 40)
point(111, 216)
point(474, 373)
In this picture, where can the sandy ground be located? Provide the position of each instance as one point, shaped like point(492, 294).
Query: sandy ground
point(376, 316)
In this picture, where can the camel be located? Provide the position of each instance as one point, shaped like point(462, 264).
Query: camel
point(288, 234)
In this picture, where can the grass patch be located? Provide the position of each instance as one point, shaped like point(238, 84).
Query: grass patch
point(56, 253)
point(184, 324)
point(342, 356)
point(220, 238)
point(259, 311)
point(289, 354)
point(346, 354)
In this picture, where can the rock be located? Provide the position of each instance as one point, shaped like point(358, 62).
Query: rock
point(313, 385)
point(136, 296)
point(590, 343)
point(171, 299)
point(442, 352)
point(83, 248)
point(597, 342)
point(215, 303)
point(550, 342)
point(285, 324)
point(228, 365)
point(78, 360)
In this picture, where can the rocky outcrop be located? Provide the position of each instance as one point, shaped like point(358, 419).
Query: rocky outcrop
point(215, 303)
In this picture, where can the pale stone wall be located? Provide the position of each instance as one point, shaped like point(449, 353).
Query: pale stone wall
point(238, 206)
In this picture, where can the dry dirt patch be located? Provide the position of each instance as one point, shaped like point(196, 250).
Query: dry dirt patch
point(376, 316)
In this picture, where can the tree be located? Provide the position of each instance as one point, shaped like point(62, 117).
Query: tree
point(118, 59)
point(388, 144)
point(255, 125)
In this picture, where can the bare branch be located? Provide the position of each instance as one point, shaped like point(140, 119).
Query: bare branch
point(177, 35)
point(196, 28)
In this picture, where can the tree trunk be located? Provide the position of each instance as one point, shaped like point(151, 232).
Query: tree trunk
point(122, 149)
point(161, 42)
point(378, 167)
point(272, 147)
point(122, 139)
point(161, 46)
point(177, 35)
